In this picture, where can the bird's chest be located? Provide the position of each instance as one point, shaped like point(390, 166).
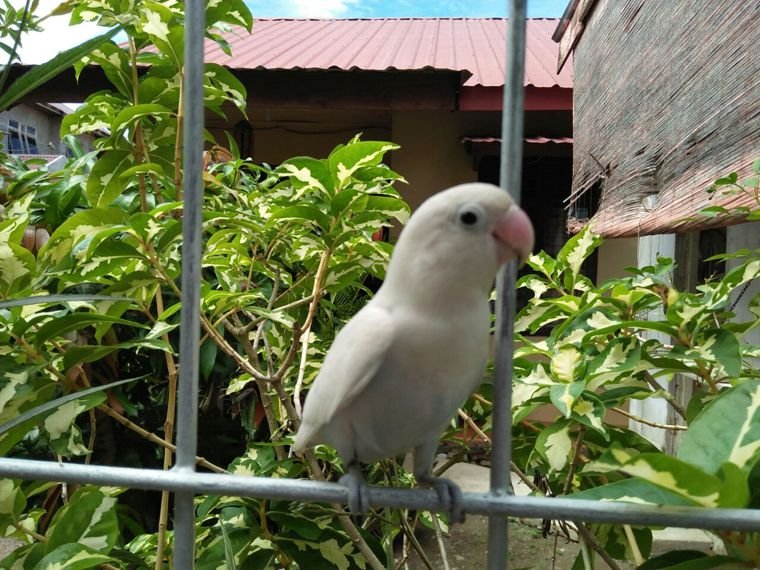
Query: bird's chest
point(424, 379)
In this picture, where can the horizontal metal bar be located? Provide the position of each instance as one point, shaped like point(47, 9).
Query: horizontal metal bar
point(420, 499)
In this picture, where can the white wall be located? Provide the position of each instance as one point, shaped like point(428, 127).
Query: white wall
point(744, 236)
point(653, 409)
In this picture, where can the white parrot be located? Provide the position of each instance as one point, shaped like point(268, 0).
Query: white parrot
point(399, 369)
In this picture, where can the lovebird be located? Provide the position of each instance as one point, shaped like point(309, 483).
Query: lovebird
point(399, 369)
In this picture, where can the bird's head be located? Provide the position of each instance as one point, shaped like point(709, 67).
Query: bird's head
point(467, 231)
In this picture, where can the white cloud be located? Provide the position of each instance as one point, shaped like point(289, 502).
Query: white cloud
point(303, 8)
point(57, 35)
point(320, 8)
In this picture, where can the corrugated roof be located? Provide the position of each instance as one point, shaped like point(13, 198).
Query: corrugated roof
point(476, 45)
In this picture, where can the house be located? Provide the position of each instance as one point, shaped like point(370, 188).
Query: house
point(666, 100)
point(34, 129)
point(434, 86)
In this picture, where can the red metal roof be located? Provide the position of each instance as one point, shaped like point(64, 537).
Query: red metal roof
point(476, 45)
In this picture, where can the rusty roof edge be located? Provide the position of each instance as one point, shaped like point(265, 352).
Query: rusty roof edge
point(564, 21)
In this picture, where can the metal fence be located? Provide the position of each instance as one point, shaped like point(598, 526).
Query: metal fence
point(498, 504)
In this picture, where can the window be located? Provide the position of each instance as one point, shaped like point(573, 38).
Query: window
point(20, 138)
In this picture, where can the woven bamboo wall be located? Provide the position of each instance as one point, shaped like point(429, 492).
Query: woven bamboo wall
point(666, 99)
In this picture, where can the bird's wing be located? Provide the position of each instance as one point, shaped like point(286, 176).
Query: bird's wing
point(352, 361)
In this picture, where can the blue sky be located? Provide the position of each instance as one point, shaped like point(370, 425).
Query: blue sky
point(399, 8)
point(57, 34)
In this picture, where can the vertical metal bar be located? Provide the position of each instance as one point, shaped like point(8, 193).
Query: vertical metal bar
point(510, 180)
point(187, 397)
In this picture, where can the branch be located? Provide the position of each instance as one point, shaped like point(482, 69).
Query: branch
point(647, 422)
point(153, 438)
point(665, 394)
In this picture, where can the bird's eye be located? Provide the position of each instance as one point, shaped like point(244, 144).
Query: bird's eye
point(470, 216)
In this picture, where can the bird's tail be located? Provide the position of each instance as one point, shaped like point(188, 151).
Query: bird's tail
point(302, 439)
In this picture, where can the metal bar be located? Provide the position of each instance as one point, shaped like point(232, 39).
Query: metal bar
point(510, 180)
point(418, 499)
point(187, 397)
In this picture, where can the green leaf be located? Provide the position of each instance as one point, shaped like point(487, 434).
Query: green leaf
point(555, 444)
point(58, 402)
point(12, 501)
point(721, 348)
point(332, 552)
point(345, 161)
point(726, 430)
point(637, 491)
point(234, 12)
point(104, 184)
point(619, 356)
point(89, 520)
point(208, 352)
point(17, 265)
point(388, 207)
point(309, 172)
point(667, 329)
point(690, 560)
point(676, 476)
point(134, 113)
point(563, 396)
point(542, 262)
point(76, 354)
point(143, 168)
point(73, 557)
point(577, 249)
point(567, 364)
point(75, 321)
point(305, 212)
point(78, 228)
point(43, 73)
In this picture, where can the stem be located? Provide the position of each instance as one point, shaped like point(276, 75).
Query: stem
point(637, 557)
point(141, 152)
point(178, 140)
point(665, 394)
point(473, 426)
point(316, 295)
point(647, 422)
point(34, 534)
point(574, 462)
point(439, 539)
point(590, 540)
point(171, 407)
point(153, 438)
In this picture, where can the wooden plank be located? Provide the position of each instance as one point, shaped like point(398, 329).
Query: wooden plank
point(573, 31)
point(666, 106)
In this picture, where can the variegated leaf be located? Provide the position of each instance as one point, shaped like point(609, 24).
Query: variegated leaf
point(555, 444)
point(563, 396)
point(727, 430)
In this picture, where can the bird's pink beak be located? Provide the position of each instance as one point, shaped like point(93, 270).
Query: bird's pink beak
point(514, 232)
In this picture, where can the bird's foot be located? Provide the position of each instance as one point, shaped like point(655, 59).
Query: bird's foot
point(358, 492)
point(449, 494)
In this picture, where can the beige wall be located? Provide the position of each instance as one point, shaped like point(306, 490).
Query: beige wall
point(614, 256)
point(432, 156)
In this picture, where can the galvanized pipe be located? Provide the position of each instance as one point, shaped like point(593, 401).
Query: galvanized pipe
point(192, 235)
point(419, 499)
point(510, 180)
